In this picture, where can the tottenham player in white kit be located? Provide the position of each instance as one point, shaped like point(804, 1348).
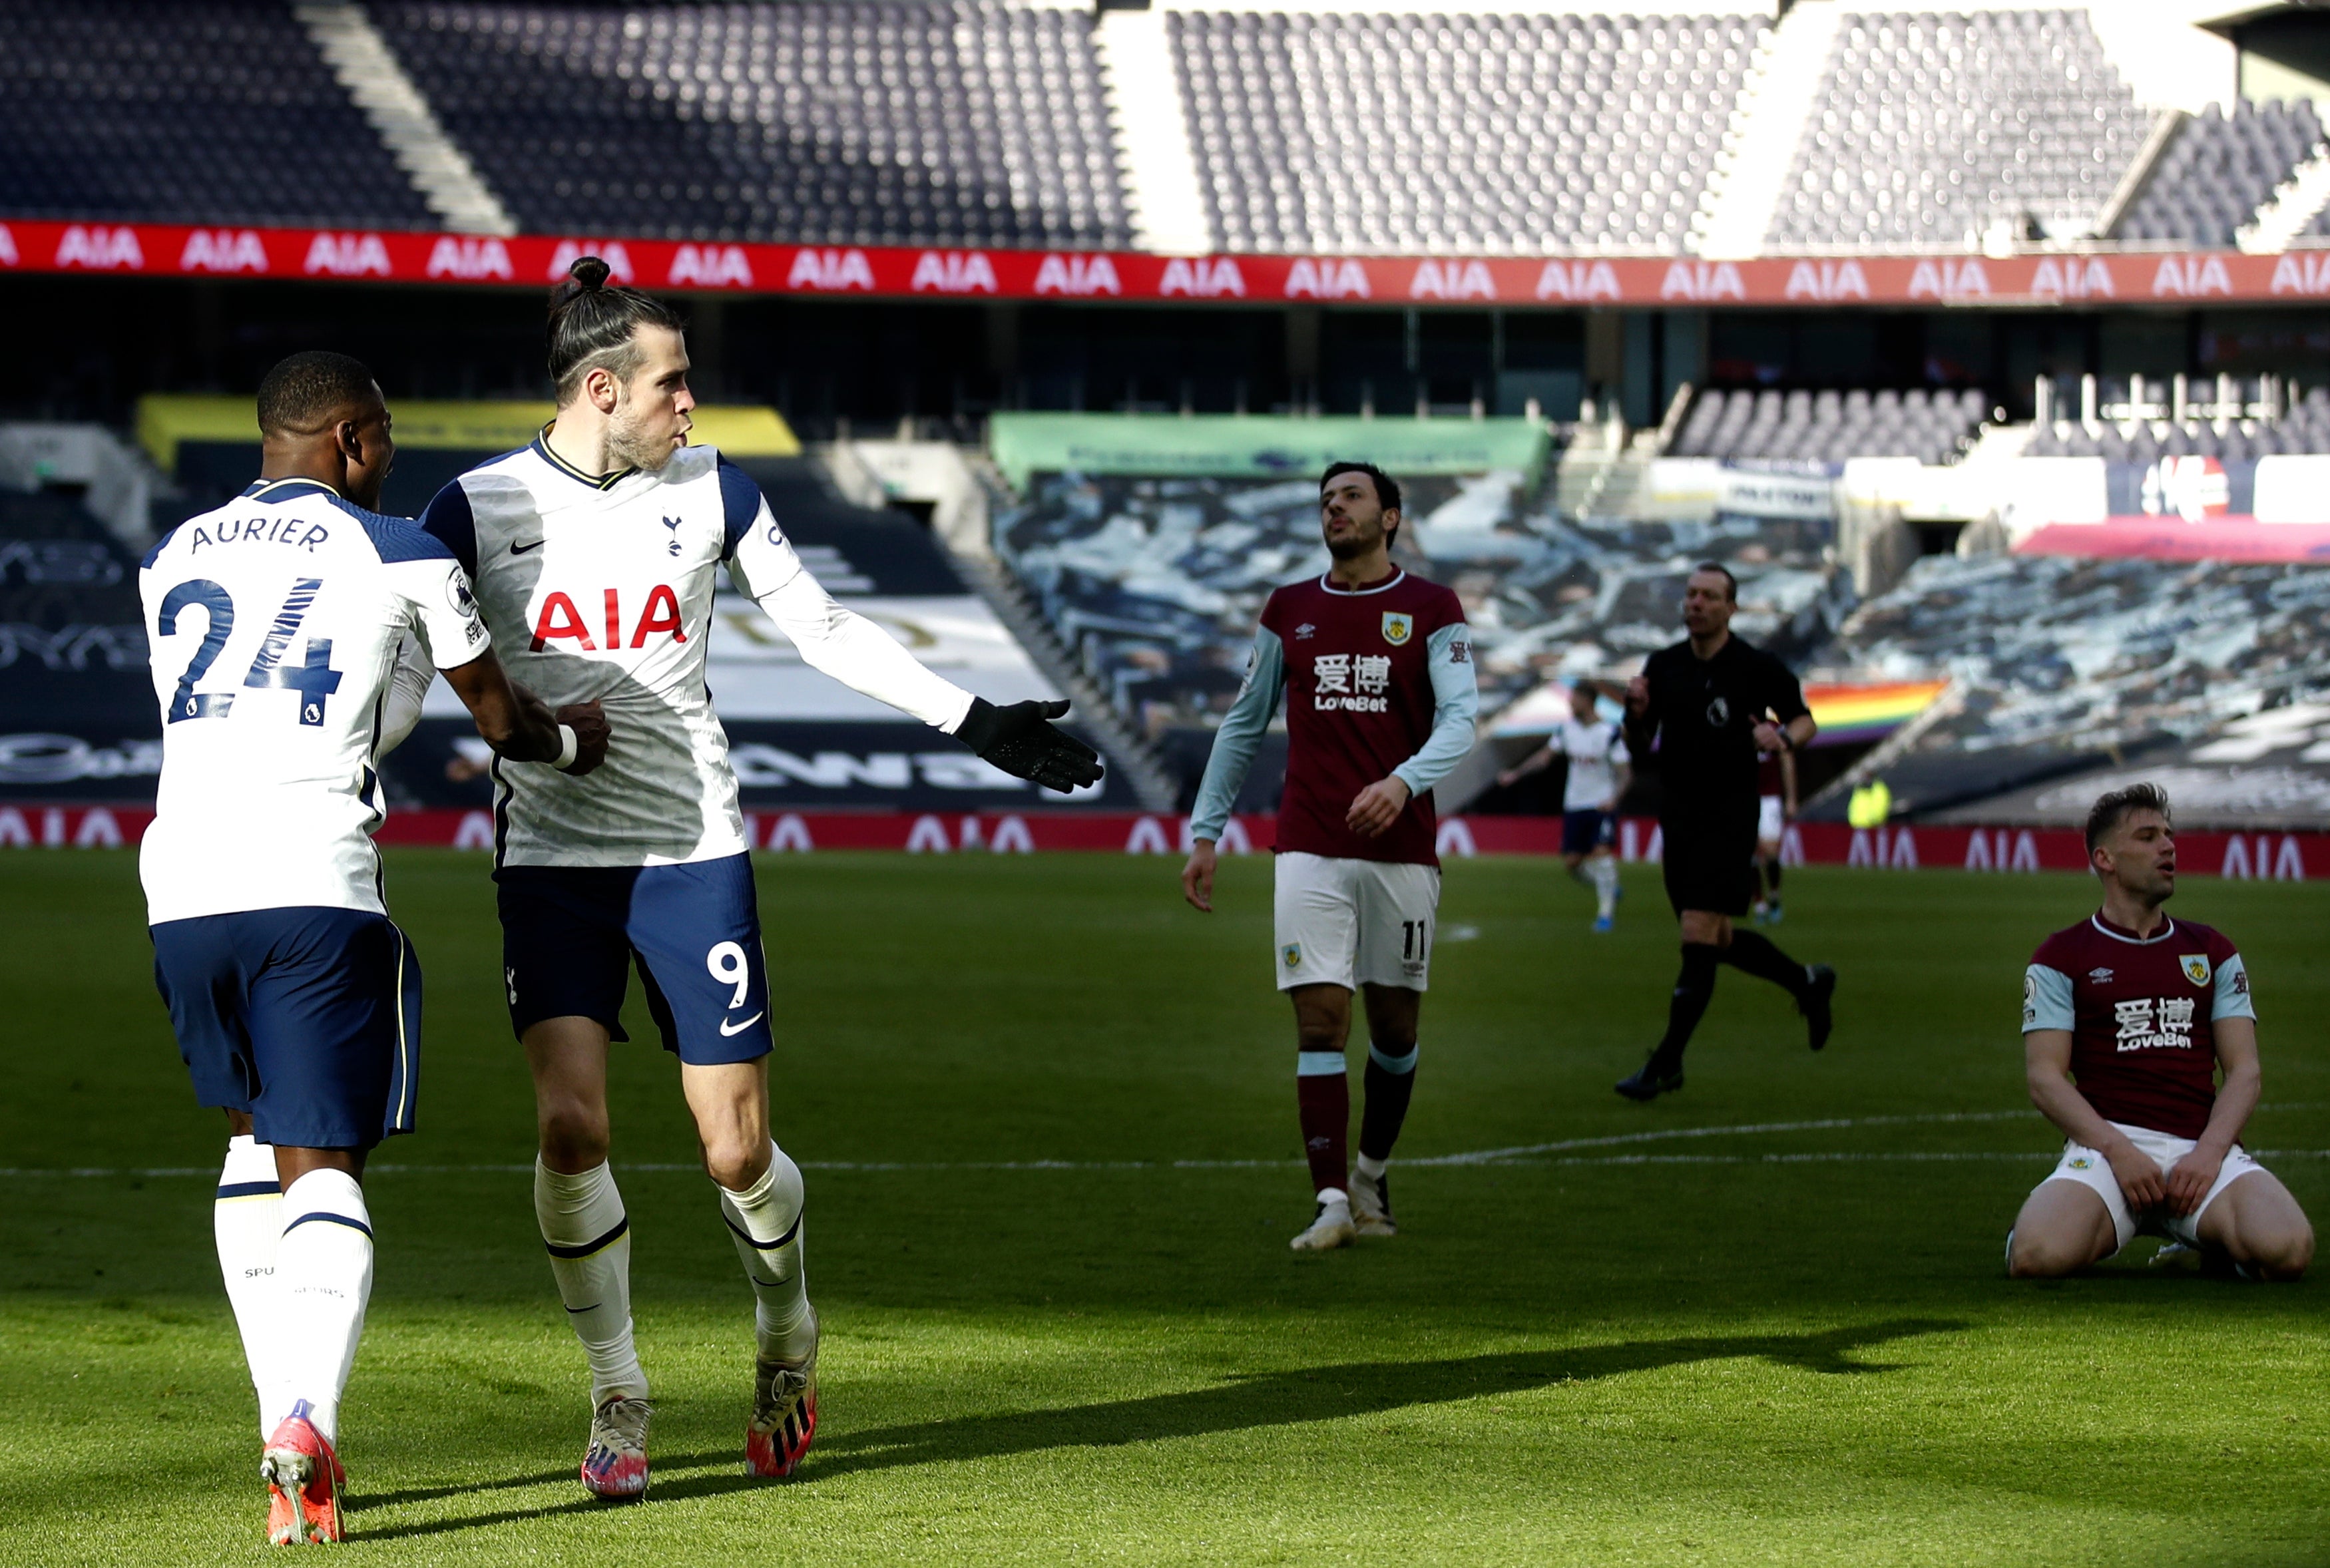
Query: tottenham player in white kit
point(275, 622)
point(1595, 749)
point(594, 551)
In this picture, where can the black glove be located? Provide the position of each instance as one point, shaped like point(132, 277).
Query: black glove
point(1020, 741)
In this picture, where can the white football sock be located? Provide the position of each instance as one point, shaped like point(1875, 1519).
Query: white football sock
point(766, 1219)
point(1605, 885)
point(1369, 1167)
point(247, 1221)
point(589, 1237)
point(323, 1278)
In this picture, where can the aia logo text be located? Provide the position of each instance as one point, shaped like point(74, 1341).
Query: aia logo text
point(560, 620)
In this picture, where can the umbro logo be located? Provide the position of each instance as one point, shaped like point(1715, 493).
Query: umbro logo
point(1302, 633)
point(2101, 977)
point(517, 549)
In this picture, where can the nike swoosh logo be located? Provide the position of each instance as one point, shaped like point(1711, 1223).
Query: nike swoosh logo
point(740, 1028)
point(517, 549)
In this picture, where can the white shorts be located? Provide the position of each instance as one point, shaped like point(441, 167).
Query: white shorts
point(1770, 822)
point(1354, 922)
point(2091, 1169)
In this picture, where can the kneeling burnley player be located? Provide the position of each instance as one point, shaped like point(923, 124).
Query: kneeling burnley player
point(274, 622)
point(1377, 665)
point(594, 551)
point(2127, 1019)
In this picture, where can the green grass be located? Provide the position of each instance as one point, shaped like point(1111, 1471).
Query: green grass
point(1589, 1357)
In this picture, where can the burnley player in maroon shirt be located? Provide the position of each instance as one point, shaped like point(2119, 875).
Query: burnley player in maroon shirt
point(1377, 667)
point(2127, 1019)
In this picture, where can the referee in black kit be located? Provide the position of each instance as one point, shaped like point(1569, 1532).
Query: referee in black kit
point(1711, 704)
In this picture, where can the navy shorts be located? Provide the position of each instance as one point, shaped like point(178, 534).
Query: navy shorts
point(1584, 831)
point(308, 1019)
point(571, 934)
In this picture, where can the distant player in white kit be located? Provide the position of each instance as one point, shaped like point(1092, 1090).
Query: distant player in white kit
point(1595, 749)
point(595, 552)
point(275, 621)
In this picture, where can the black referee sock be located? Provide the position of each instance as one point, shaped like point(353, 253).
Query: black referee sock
point(1694, 988)
point(1752, 952)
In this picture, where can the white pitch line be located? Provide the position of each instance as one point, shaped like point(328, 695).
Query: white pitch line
point(1518, 1154)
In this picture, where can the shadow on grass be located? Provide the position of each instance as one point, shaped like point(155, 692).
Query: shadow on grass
point(1237, 1403)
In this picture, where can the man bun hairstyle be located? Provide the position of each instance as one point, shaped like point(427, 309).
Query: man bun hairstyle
point(593, 325)
point(305, 394)
point(2115, 806)
point(1730, 583)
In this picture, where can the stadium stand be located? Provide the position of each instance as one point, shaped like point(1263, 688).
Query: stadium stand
point(2219, 171)
point(1155, 584)
point(1934, 127)
point(1491, 134)
point(858, 122)
point(193, 113)
point(1831, 426)
point(2057, 658)
point(2305, 429)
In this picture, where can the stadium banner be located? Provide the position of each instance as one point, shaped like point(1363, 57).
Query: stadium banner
point(2267, 857)
point(164, 420)
point(1257, 446)
point(372, 255)
point(2269, 509)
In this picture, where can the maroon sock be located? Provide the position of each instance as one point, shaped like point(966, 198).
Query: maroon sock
point(1324, 1100)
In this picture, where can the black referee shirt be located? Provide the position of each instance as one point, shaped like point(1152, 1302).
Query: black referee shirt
point(1704, 714)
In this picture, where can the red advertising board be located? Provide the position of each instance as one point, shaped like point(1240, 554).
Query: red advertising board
point(179, 251)
point(2267, 857)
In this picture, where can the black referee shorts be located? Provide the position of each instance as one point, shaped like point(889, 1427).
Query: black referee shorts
point(1708, 859)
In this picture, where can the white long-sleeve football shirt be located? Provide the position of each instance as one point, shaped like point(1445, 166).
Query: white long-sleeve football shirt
point(601, 587)
point(275, 622)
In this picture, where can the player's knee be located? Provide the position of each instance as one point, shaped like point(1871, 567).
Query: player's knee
point(737, 1162)
point(574, 1135)
point(2287, 1257)
point(2042, 1257)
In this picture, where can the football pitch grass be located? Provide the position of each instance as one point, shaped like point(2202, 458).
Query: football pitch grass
point(1053, 1170)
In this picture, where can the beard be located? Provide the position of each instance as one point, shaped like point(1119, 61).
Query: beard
point(630, 447)
point(1354, 547)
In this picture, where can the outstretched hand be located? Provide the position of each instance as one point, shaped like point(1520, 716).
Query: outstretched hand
point(1022, 741)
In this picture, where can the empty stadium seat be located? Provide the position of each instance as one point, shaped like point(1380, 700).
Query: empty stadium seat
point(2304, 429)
point(1830, 426)
point(2213, 176)
point(193, 112)
point(1933, 128)
point(1496, 135)
point(856, 122)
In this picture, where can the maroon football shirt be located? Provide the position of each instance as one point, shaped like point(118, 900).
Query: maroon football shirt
point(1359, 704)
point(2139, 1010)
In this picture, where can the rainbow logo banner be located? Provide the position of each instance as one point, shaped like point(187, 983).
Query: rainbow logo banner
point(1851, 713)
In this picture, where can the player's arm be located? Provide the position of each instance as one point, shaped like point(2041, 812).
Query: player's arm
point(1455, 705)
point(1537, 761)
point(1641, 723)
point(410, 673)
point(838, 641)
point(1788, 786)
point(2047, 1021)
point(518, 725)
point(1791, 724)
point(2233, 1025)
point(1235, 745)
point(434, 582)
